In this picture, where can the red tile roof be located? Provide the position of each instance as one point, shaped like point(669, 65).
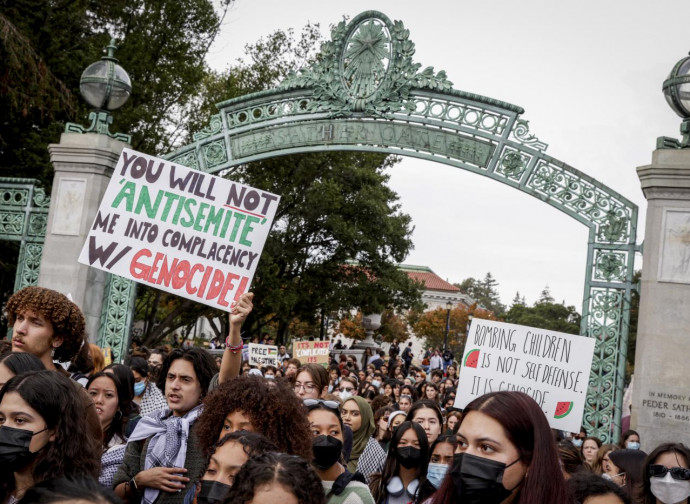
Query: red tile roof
point(430, 279)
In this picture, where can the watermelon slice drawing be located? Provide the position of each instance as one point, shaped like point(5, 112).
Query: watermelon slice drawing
point(472, 358)
point(563, 409)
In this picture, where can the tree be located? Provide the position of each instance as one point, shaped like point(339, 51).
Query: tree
point(484, 292)
point(545, 296)
point(45, 46)
point(546, 315)
point(432, 325)
point(518, 299)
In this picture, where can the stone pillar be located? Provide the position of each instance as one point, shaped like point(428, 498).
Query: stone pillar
point(661, 397)
point(83, 164)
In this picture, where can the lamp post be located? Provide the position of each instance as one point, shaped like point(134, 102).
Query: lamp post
point(449, 307)
point(677, 92)
point(105, 86)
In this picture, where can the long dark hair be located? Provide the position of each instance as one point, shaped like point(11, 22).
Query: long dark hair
point(74, 451)
point(644, 491)
point(630, 462)
point(21, 362)
point(528, 430)
point(124, 401)
point(392, 465)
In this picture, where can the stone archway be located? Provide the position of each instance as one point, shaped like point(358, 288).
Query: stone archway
point(366, 93)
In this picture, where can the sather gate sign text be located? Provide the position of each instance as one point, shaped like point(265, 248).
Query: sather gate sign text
point(365, 93)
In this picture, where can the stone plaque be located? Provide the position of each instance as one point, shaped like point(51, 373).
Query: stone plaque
point(674, 254)
point(69, 206)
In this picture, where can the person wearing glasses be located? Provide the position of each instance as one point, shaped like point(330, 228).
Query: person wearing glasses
point(347, 388)
point(666, 475)
point(311, 382)
point(340, 486)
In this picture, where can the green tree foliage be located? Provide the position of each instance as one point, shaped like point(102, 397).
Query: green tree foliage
point(484, 292)
point(46, 45)
point(545, 315)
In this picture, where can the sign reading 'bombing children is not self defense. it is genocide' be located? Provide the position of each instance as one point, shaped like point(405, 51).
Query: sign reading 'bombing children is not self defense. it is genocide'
point(180, 230)
point(551, 367)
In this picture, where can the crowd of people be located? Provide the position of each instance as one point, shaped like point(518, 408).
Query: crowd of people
point(180, 426)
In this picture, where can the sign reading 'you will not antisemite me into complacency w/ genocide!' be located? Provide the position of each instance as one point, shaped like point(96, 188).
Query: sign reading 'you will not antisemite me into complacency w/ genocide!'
point(551, 367)
point(180, 230)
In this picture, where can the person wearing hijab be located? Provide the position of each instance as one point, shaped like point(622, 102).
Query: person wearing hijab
point(367, 456)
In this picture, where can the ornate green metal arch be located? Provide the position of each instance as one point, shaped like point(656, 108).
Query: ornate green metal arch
point(365, 93)
point(23, 218)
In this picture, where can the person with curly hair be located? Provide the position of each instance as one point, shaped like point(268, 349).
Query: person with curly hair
point(253, 403)
point(225, 461)
point(163, 457)
point(277, 478)
point(49, 326)
point(46, 324)
point(43, 433)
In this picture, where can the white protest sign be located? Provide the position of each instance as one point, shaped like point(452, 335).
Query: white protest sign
point(263, 355)
point(551, 367)
point(180, 230)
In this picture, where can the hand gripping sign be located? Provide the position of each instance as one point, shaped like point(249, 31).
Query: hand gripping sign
point(180, 230)
point(551, 367)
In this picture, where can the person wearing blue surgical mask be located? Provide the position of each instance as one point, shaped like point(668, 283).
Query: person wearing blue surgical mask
point(630, 440)
point(441, 459)
point(579, 438)
point(146, 394)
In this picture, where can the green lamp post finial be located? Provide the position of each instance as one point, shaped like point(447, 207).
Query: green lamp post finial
point(106, 86)
point(676, 90)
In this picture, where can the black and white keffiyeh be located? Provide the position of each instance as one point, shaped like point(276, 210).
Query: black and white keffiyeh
point(168, 445)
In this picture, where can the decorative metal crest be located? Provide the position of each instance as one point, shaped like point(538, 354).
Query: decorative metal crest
point(366, 67)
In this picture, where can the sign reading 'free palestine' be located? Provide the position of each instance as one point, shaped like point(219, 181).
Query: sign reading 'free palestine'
point(180, 230)
point(551, 367)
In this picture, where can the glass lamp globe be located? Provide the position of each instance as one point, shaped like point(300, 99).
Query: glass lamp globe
point(677, 88)
point(104, 84)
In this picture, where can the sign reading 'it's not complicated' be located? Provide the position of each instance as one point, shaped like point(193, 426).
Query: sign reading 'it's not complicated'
point(180, 230)
point(551, 367)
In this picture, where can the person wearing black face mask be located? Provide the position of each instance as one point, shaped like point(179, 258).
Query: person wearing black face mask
point(43, 433)
point(327, 428)
point(227, 458)
point(404, 473)
point(506, 455)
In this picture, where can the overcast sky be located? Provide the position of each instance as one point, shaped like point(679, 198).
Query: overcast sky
point(587, 73)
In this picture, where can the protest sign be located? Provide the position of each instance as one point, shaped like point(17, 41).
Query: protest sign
point(551, 367)
point(312, 352)
point(263, 355)
point(180, 230)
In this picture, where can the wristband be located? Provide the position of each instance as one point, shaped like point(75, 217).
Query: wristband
point(232, 348)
